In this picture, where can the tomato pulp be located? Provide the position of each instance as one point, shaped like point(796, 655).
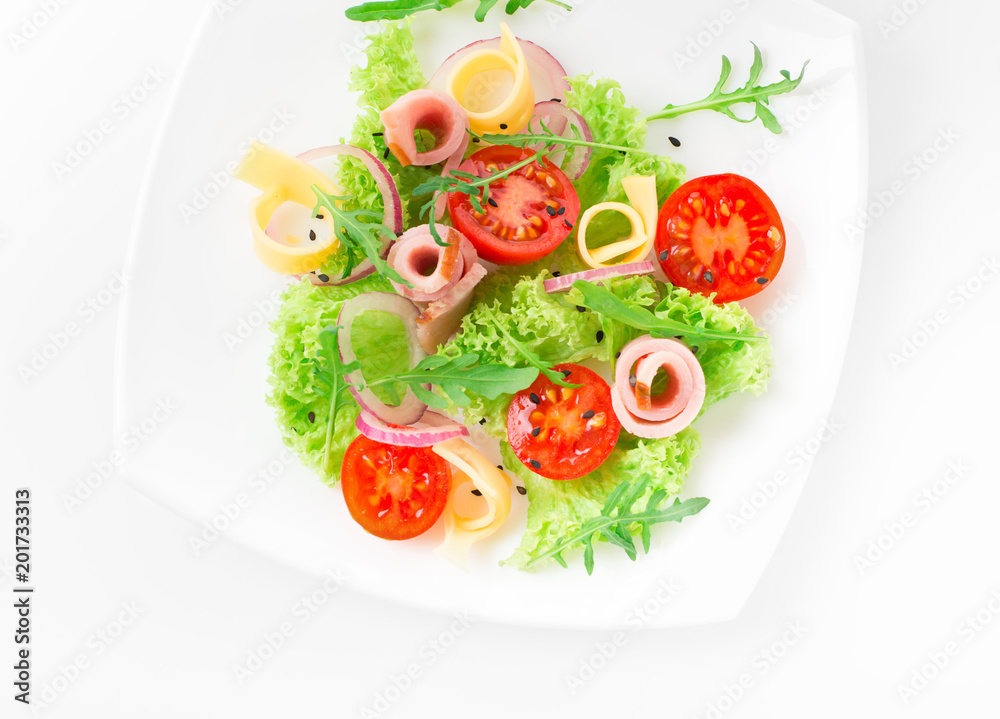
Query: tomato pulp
point(528, 213)
point(394, 492)
point(563, 433)
point(722, 234)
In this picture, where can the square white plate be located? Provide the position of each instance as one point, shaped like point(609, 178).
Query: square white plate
point(193, 325)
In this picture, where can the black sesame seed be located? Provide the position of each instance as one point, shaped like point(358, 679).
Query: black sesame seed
point(377, 134)
point(617, 355)
point(664, 255)
point(536, 431)
point(493, 203)
point(535, 464)
point(534, 398)
point(312, 235)
point(678, 337)
point(631, 381)
point(503, 125)
point(521, 490)
point(556, 99)
point(319, 216)
point(482, 421)
point(762, 280)
point(622, 152)
point(476, 493)
point(500, 467)
point(312, 416)
point(556, 273)
point(694, 349)
point(385, 155)
point(324, 278)
point(674, 141)
point(569, 225)
point(588, 414)
point(600, 335)
point(566, 373)
point(475, 139)
point(708, 276)
point(551, 210)
point(561, 211)
point(581, 308)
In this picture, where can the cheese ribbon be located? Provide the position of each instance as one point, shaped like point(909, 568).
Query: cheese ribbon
point(468, 465)
point(283, 178)
point(641, 192)
point(513, 113)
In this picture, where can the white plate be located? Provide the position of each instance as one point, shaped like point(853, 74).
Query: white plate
point(192, 326)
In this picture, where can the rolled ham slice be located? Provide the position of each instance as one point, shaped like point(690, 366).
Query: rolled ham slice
point(442, 317)
point(657, 416)
point(430, 110)
point(429, 267)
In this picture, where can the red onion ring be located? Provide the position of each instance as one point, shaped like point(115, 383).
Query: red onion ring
point(322, 157)
point(565, 282)
point(411, 408)
point(548, 77)
point(432, 429)
point(562, 119)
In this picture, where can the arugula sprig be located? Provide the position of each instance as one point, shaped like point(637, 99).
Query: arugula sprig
point(332, 382)
point(529, 355)
point(750, 93)
point(397, 9)
point(359, 232)
point(606, 304)
point(477, 188)
point(456, 375)
point(617, 519)
point(551, 138)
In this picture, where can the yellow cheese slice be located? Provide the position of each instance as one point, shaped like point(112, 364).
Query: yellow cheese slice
point(641, 192)
point(515, 110)
point(283, 178)
point(469, 466)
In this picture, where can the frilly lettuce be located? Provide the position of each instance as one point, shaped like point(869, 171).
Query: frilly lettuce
point(305, 310)
point(552, 326)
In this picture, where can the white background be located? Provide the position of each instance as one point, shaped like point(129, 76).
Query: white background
point(864, 630)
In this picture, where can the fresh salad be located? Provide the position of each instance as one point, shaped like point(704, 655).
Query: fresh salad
point(494, 248)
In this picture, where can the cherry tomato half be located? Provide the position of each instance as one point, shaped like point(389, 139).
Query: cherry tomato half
point(722, 234)
point(529, 211)
point(394, 492)
point(563, 433)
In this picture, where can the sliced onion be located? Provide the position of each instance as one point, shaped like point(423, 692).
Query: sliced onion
point(564, 282)
point(323, 159)
point(432, 429)
point(548, 77)
point(560, 119)
point(411, 408)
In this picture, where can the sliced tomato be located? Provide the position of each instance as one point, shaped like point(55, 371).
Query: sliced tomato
point(563, 433)
point(394, 492)
point(722, 234)
point(529, 211)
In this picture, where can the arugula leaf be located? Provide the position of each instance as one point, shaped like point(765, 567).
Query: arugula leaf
point(606, 304)
point(360, 233)
point(477, 188)
point(458, 374)
point(750, 93)
point(330, 377)
point(529, 355)
point(547, 136)
point(396, 9)
point(615, 522)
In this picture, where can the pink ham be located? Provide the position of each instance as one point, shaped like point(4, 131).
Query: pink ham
point(666, 414)
point(429, 267)
point(442, 318)
point(430, 110)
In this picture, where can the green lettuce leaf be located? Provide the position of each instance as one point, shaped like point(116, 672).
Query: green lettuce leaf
point(390, 71)
point(305, 311)
point(552, 326)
